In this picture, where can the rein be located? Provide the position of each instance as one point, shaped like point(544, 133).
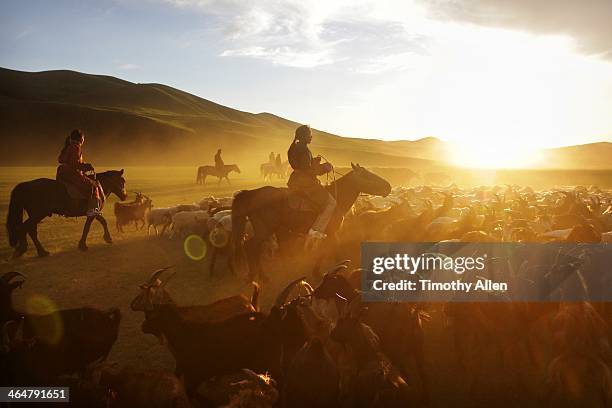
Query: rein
point(334, 172)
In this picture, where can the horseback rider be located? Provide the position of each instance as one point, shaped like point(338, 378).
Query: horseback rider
point(72, 169)
point(278, 164)
point(271, 158)
point(304, 180)
point(219, 165)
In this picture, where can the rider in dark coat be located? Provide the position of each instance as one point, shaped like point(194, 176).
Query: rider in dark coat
point(72, 168)
point(219, 165)
point(304, 180)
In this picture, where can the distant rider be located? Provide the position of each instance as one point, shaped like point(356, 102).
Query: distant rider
point(72, 168)
point(219, 165)
point(271, 158)
point(303, 179)
point(278, 164)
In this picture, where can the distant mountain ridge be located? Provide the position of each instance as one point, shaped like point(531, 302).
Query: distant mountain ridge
point(134, 124)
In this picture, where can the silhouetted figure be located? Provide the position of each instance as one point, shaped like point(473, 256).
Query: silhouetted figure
point(304, 179)
point(219, 165)
point(278, 164)
point(72, 168)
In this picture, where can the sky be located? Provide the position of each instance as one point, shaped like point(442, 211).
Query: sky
point(493, 77)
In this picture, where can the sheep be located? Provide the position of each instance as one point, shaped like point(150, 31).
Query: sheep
point(159, 217)
point(186, 222)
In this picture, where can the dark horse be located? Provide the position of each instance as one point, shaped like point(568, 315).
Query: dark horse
point(43, 197)
point(268, 210)
point(204, 171)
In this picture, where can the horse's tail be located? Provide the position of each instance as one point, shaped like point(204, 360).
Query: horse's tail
point(14, 220)
point(240, 208)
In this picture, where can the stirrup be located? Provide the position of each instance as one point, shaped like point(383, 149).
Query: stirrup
point(313, 239)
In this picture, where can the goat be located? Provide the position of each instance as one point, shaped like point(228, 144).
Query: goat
point(67, 341)
point(206, 349)
point(317, 389)
point(132, 212)
point(399, 326)
point(375, 381)
point(149, 388)
point(242, 389)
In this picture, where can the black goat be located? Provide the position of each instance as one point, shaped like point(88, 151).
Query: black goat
point(61, 342)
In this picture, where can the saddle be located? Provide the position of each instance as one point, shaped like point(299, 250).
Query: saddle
point(299, 201)
point(73, 192)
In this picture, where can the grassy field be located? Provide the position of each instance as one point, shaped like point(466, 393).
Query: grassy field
point(109, 275)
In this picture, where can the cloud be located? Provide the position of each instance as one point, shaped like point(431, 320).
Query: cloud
point(311, 33)
point(283, 56)
point(588, 21)
point(128, 67)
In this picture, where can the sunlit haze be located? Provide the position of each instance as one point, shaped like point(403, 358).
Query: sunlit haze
point(495, 85)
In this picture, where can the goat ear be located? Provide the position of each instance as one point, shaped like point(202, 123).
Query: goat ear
point(121, 172)
point(352, 165)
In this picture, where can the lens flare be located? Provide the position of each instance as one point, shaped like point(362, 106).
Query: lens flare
point(219, 237)
point(195, 247)
point(49, 327)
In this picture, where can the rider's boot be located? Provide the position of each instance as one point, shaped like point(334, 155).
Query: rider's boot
point(313, 239)
point(93, 207)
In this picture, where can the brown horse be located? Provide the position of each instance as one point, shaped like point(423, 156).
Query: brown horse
point(43, 197)
point(268, 210)
point(204, 171)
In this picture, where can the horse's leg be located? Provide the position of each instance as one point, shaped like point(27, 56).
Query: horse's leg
point(252, 248)
point(86, 227)
point(22, 241)
point(228, 182)
point(107, 235)
point(33, 231)
point(213, 261)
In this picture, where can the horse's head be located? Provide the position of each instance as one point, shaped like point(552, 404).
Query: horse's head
point(369, 182)
point(113, 182)
point(236, 169)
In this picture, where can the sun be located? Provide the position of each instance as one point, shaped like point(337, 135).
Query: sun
point(493, 156)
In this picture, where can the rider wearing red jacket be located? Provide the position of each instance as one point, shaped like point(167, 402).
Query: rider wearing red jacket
point(72, 170)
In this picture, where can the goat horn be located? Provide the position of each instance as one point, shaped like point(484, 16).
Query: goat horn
point(282, 297)
point(308, 287)
point(167, 280)
point(252, 375)
point(338, 268)
point(155, 275)
point(6, 340)
point(7, 277)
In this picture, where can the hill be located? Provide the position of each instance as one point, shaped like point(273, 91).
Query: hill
point(153, 124)
point(592, 156)
point(132, 124)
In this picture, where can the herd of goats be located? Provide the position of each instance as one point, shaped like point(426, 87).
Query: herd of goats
point(319, 345)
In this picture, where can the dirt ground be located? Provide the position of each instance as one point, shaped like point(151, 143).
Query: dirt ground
point(109, 275)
